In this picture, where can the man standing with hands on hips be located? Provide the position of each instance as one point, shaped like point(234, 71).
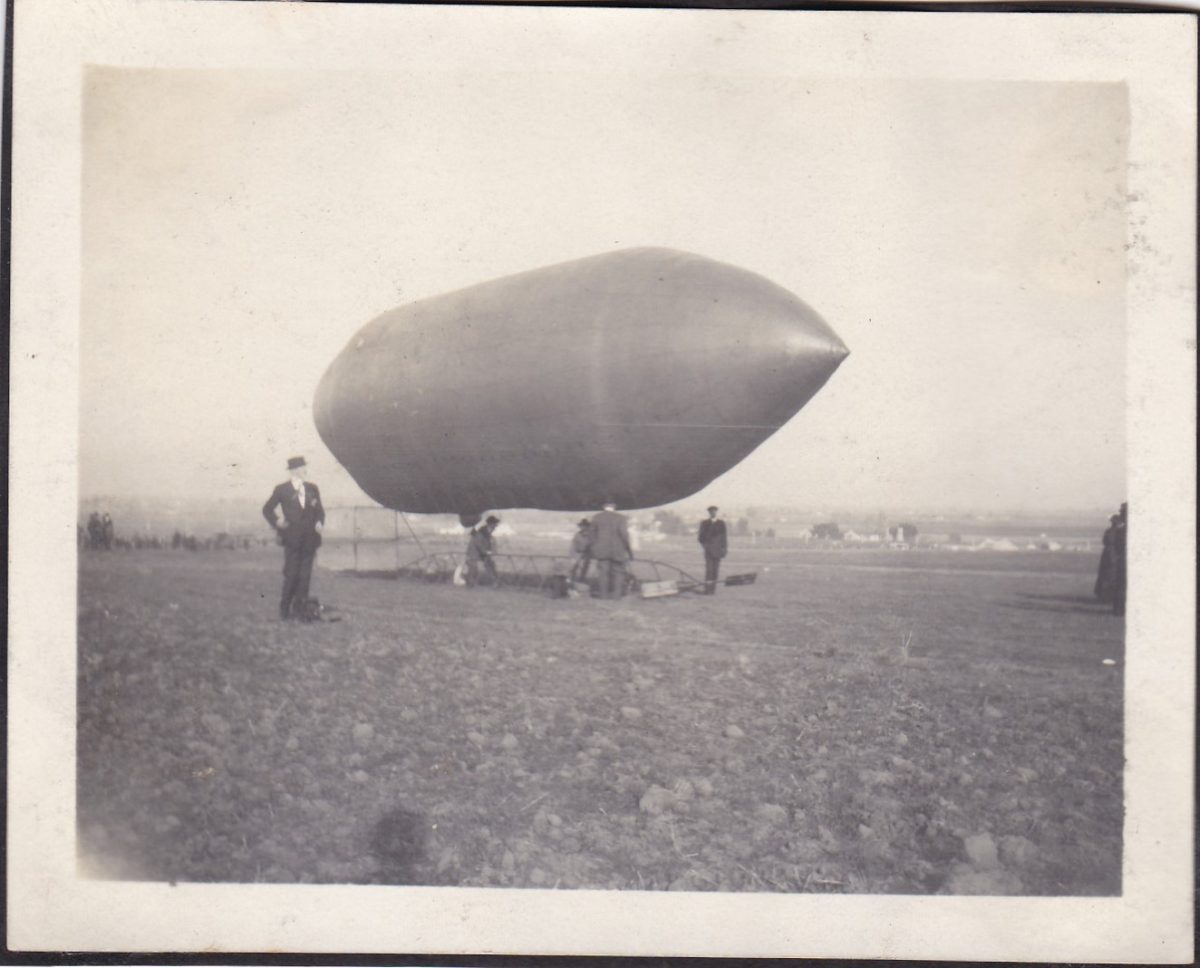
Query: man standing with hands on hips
point(712, 537)
point(300, 534)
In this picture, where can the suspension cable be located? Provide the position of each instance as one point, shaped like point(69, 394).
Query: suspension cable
point(412, 532)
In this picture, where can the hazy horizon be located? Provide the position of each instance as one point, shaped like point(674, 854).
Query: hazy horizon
point(965, 239)
point(690, 504)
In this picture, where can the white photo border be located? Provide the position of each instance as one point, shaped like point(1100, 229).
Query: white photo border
point(51, 909)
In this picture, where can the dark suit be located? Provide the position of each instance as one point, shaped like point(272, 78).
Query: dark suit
point(1106, 578)
point(608, 537)
point(712, 537)
point(299, 536)
point(1120, 539)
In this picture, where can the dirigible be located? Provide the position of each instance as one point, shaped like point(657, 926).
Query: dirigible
point(636, 376)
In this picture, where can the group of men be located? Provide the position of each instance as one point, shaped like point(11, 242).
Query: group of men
point(100, 532)
point(603, 540)
point(1111, 580)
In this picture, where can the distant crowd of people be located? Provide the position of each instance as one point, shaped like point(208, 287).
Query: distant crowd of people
point(1111, 580)
point(218, 542)
point(100, 534)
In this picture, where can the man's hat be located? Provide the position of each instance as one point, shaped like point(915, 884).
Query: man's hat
point(584, 523)
point(492, 519)
point(294, 462)
point(713, 507)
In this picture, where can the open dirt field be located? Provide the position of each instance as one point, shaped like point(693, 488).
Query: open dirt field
point(877, 721)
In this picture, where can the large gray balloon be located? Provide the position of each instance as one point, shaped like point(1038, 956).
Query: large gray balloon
point(637, 376)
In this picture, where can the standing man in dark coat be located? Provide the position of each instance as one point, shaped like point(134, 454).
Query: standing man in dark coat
point(1119, 545)
point(608, 538)
point(1105, 586)
point(712, 538)
point(300, 534)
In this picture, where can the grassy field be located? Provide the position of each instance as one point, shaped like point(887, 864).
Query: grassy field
point(858, 721)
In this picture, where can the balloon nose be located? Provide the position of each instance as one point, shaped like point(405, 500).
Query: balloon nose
point(810, 342)
point(803, 334)
point(799, 353)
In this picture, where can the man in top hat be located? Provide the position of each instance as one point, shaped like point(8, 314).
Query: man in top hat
point(608, 538)
point(712, 537)
point(300, 534)
point(480, 549)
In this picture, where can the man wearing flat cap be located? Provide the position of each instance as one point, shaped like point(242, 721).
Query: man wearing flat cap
point(300, 534)
point(712, 538)
point(581, 550)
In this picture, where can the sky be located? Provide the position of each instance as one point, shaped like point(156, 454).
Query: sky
point(964, 239)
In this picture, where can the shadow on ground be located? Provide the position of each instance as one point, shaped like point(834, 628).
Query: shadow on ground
point(400, 843)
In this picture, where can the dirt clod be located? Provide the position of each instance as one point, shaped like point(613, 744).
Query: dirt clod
point(981, 849)
point(772, 813)
point(656, 800)
point(1017, 851)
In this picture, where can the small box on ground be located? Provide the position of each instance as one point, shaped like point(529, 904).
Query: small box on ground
point(748, 579)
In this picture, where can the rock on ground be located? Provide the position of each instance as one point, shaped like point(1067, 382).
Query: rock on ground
point(772, 813)
point(656, 800)
point(1017, 851)
point(981, 849)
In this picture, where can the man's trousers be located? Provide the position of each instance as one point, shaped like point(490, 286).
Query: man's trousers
point(297, 573)
point(712, 567)
point(611, 574)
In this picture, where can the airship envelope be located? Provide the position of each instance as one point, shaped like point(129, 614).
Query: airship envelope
point(636, 376)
